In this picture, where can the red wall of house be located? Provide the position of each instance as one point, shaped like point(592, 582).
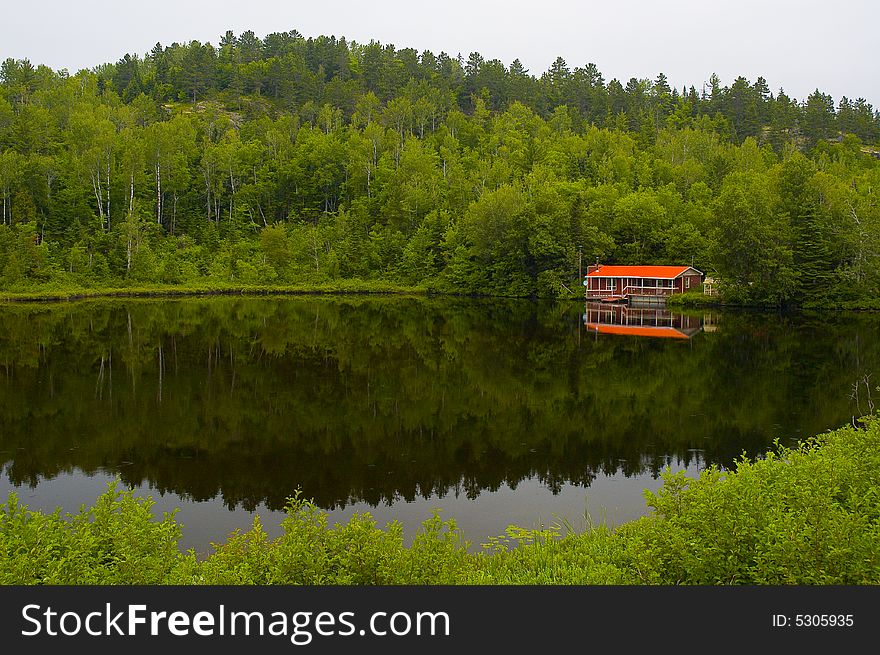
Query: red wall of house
point(695, 281)
point(593, 284)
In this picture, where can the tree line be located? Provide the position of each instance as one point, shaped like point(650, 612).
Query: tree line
point(301, 160)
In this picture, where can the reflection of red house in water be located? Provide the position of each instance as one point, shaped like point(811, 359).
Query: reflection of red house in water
point(639, 283)
point(639, 321)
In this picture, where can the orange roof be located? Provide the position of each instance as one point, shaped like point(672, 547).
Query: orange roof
point(637, 331)
point(661, 272)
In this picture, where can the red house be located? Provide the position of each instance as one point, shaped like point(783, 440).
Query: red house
point(639, 283)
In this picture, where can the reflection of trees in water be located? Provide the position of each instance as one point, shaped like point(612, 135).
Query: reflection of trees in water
point(377, 399)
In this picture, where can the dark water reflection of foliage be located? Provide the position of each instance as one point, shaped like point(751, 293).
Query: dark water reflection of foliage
point(377, 399)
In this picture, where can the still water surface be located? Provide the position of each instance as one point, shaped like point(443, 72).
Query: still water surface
point(495, 412)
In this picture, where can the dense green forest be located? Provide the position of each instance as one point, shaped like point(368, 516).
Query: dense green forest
point(294, 160)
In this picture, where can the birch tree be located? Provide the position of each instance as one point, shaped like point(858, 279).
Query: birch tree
point(10, 174)
point(91, 137)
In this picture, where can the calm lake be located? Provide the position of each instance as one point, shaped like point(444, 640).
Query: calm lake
point(496, 412)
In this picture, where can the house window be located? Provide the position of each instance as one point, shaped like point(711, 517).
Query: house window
point(687, 283)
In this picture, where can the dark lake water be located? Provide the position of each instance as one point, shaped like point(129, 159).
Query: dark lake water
point(495, 412)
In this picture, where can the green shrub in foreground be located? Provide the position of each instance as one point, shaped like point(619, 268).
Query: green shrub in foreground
point(809, 515)
point(117, 541)
point(804, 516)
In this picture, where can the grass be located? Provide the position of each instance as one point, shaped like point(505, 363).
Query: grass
point(67, 293)
point(693, 299)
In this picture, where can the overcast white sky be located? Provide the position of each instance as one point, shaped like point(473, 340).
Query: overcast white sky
point(798, 45)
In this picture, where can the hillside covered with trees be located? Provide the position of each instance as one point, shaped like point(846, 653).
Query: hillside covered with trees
point(294, 160)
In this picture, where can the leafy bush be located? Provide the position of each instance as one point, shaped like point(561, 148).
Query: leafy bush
point(804, 516)
point(117, 541)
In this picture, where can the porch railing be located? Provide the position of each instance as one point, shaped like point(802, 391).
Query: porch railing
point(631, 290)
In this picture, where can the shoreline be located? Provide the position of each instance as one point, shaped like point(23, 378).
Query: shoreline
point(378, 288)
point(172, 292)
